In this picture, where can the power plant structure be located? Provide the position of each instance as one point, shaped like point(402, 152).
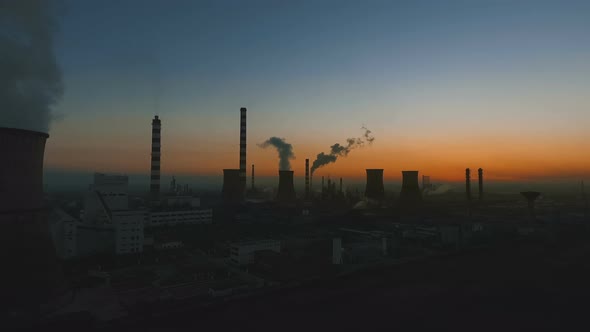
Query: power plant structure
point(410, 193)
point(243, 147)
point(480, 180)
point(468, 184)
point(155, 165)
point(286, 191)
point(232, 190)
point(375, 189)
point(307, 188)
point(32, 274)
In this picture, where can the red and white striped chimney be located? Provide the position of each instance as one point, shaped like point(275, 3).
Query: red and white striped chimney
point(243, 147)
point(155, 166)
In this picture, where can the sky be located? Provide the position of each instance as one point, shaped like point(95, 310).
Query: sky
point(443, 85)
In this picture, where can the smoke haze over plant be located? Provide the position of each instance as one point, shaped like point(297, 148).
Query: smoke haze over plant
point(338, 150)
point(284, 149)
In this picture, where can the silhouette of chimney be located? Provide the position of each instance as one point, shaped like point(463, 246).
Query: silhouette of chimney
point(32, 274)
point(307, 179)
point(243, 147)
point(286, 192)
point(468, 183)
point(156, 155)
point(323, 186)
point(480, 179)
point(375, 189)
point(232, 187)
point(252, 177)
point(341, 185)
point(410, 193)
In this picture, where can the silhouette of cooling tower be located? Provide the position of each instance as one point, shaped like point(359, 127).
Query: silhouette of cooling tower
point(232, 190)
point(375, 189)
point(410, 193)
point(32, 274)
point(286, 192)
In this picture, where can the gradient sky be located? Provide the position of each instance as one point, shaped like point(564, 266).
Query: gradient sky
point(443, 85)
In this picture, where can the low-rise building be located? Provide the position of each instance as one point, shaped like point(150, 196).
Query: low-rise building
point(180, 217)
point(242, 253)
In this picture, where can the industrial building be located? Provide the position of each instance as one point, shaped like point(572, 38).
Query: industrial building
point(242, 253)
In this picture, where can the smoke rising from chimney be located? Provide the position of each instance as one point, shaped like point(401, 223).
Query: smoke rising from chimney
point(338, 150)
point(30, 83)
point(284, 149)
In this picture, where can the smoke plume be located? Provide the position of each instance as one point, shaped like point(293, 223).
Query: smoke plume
point(338, 150)
point(30, 79)
point(284, 149)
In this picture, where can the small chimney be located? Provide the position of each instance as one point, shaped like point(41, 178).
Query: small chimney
point(252, 177)
point(322, 186)
point(375, 189)
point(341, 186)
point(468, 183)
point(286, 191)
point(480, 178)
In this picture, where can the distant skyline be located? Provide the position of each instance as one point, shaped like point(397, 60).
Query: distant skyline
point(443, 85)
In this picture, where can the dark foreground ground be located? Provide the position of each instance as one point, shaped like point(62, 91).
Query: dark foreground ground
point(523, 286)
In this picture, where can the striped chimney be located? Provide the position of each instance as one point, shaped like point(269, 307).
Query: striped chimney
point(243, 147)
point(155, 166)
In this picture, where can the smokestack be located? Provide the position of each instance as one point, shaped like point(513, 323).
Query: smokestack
point(375, 189)
point(155, 166)
point(252, 177)
point(286, 192)
point(322, 186)
point(468, 183)
point(480, 178)
point(307, 179)
point(232, 190)
point(341, 185)
point(243, 147)
point(410, 193)
point(33, 274)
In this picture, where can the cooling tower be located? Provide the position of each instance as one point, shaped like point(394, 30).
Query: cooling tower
point(410, 193)
point(286, 192)
point(374, 189)
point(232, 190)
point(31, 271)
point(156, 155)
point(243, 148)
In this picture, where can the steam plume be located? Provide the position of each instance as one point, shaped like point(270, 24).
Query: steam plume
point(30, 83)
point(338, 150)
point(285, 151)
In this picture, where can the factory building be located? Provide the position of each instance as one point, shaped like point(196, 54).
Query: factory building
point(180, 217)
point(128, 226)
point(243, 253)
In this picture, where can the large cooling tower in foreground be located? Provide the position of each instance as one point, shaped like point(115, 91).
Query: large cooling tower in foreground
point(375, 189)
point(410, 193)
point(286, 191)
point(31, 273)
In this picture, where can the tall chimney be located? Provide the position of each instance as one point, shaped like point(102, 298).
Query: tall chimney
point(306, 178)
point(375, 189)
point(468, 183)
point(252, 177)
point(286, 191)
point(480, 178)
point(156, 155)
point(232, 187)
point(32, 274)
point(341, 186)
point(410, 193)
point(243, 147)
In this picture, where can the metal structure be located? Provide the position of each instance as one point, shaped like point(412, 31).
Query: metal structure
point(156, 155)
point(375, 189)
